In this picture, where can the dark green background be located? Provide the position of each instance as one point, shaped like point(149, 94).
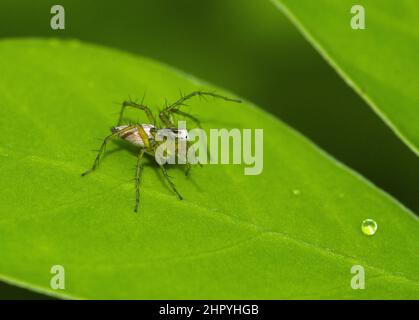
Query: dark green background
point(245, 46)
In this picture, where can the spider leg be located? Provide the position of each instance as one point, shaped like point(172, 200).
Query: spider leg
point(165, 113)
point(184, 157)
point(137, 179)
point(181, 101)
point(172, 185)
point(188, 165)
point(166, 119)
point(143, 135)
point(188, 168)
point(134, 105)
point(103, 148)
point(187, 115)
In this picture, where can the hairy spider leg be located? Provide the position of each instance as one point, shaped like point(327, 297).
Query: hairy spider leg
point(166, 112)
point(188, 168)
point(185, 158)
point(188, 164)
point(172, 185)
point(134, 105)
point(137, 179)
point(181, 101)
point(102, 149)
point(187, 115)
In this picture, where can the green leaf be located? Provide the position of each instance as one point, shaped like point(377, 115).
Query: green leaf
point(379, 62)
point(291, 232)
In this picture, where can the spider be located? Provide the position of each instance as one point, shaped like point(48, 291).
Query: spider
point(143, 136)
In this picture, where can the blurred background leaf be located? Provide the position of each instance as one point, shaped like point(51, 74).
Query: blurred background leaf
point(380, 62)
point(12, 292)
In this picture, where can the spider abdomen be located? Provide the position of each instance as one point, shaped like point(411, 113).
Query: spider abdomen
point(132, 135)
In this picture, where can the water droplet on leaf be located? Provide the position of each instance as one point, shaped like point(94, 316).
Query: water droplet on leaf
point(369, 227)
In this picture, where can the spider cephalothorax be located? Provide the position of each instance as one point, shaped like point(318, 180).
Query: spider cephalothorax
point(145, 136)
